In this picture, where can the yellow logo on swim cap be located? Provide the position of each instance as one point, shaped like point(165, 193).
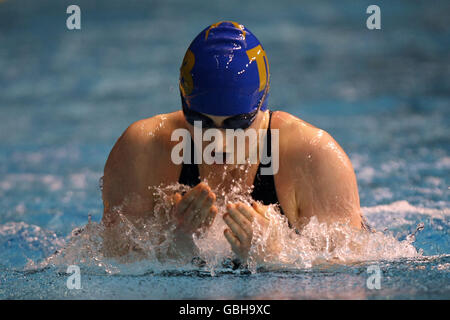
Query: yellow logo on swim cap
point(186, 81)
point(259, 55)
point(215, 25)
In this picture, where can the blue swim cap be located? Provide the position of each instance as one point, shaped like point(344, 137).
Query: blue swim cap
point(225, 71)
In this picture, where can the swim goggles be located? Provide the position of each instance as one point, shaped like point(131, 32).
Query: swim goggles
point(240, 121)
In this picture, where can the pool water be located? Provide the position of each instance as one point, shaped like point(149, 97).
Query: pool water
point(66, 96)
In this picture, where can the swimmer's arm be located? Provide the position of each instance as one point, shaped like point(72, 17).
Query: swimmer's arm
point(328, 188)
point(134, 164)
point(127, 175)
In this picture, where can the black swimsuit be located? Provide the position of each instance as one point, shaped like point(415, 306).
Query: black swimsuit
point(263, 185)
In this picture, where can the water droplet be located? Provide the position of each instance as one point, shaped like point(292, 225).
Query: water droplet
point(420, 226)
point(411, 238)
point(100, 183)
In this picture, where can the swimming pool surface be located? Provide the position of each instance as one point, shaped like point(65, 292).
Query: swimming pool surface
point(66, 96)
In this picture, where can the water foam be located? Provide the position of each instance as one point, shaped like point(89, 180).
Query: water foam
point(147, 245)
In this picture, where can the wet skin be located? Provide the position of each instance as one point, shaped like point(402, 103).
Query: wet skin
point(315, 178)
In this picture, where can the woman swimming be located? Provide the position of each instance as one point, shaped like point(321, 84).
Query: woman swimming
point(224, 85)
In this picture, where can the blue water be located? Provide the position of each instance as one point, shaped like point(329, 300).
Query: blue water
point(66, 96)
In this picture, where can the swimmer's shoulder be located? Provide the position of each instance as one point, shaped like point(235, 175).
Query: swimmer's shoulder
point(292, 127)
point(300, 140)
point(152, 132)
point(142, 153)
point(282, 119)
point(146, 138)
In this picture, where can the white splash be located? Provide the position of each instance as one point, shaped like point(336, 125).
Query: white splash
point(147, 245)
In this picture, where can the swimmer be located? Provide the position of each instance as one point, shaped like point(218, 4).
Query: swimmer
point(224, 84)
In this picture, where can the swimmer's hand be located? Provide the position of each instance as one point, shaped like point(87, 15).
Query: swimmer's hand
point(195, 210)
point(239, 218)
